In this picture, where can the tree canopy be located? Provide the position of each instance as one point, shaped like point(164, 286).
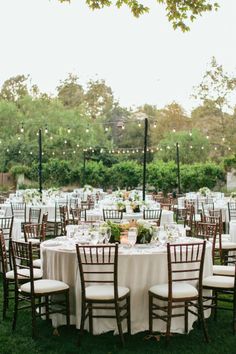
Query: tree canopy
point(179, 13)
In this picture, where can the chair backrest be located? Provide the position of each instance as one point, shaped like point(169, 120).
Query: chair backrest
point(232, 210)
point(64, 218)
point(22, 256)
point(214, 220)
point(3, 255)
point(45, 218)
point(78, 215)
point(153, 214)
point(206, 230)
point(112, 214)
point(185, 263)
point(98, 265)
point(6, 225)
point(35, 231)
point(206, 207)
point(34, 215)
point(19, 210)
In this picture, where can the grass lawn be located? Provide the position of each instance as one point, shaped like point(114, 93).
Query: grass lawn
point(222, 339)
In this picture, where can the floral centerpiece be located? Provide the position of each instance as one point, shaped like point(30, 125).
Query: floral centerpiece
point(87, 188)
point(121, 206)
point(233, 195)
point(32, 196)
point(204, 191)
point(143, 226)
point(135, 205)
point(53, 192)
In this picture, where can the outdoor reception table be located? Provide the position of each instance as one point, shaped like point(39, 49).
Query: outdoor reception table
point(48, 208)
point(139, 268)
point(167, 216)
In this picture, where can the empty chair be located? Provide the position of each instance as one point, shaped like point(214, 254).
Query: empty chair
point(8, 275)
point(38, 293)
point(78, 215)
point(19, 211)
point(34, 215)
point(34, 233)
point(232, 210)
point(112, 215)
point(184, 287)
point(6, 224)
point(223, 287)
point(153, 215)
point(98, 266)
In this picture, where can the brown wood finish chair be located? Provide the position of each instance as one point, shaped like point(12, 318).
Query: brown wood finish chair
point(98, 266)
point(8, 278)
point(6, 225)
point(223, 288)
point(153, 215)
point(184, 287)
point(36, 294)
point(19, 211)
point(112, 215)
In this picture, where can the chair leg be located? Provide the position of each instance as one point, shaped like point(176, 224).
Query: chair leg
point(234, 314)
point(202, 319)
point(168, 325)
point(47, 308)
point(83, 314)
point(67, 309)
point(128, 316)
point(15, 312)
point(150, 312)
point(118, 320)
point(33, 317)
point(90, 310)
point(5, 298)
point(186, 317)
point(215, 295)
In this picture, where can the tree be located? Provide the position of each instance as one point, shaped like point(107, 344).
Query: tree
point(179, 13)
point(14, 88)
point(70, 92)
point(98, 98)
point(215, 91)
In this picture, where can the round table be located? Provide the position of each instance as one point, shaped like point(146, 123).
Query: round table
point(138, 270)
point(167, 216)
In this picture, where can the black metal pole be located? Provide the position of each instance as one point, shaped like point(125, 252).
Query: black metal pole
point(178, 169)
point(145, 156)
point(40, 162)
point(84, 167)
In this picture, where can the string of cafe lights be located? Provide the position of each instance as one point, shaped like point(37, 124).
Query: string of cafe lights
point(118, 150)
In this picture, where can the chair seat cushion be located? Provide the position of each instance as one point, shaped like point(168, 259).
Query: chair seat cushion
point(37, 263)
point(104, 292)
point(179, 290)
point(45, 286)
point(24, 273)
point(227, 245)
point(218, 281)
point(224, 270)
point(225, 237)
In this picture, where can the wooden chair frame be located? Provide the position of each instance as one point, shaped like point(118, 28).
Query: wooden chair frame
point(44, 302)
point(99, 265)
point(184, 255)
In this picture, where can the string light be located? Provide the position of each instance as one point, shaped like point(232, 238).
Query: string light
point(22, 128)
point(65, 142)
point(139, 124)
point(46, 129)
point(74, 152)
point(174, 131)
point(87, 130)
point(106, 129)
point(18, 138)
point(223, 139)
point(155, 125)
point(51, 137)
point(207, 137)
point(191, 146)
point(190, 134)
point(68, 130)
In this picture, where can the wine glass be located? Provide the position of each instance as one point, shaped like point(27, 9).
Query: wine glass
point(107, 234)
point(132, 236)
point(162, 237)
point(155, 231)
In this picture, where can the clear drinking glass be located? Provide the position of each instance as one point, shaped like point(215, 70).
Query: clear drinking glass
point(132, 236)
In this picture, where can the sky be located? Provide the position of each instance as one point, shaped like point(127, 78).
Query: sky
point(143, 60)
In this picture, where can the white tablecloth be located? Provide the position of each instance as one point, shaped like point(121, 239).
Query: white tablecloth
point(137, 271)
point(49, 208)
point(167, 216)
